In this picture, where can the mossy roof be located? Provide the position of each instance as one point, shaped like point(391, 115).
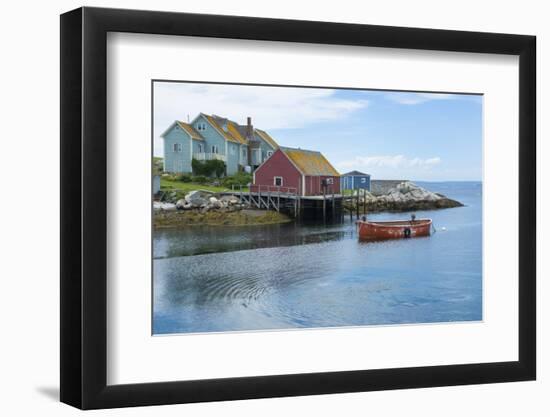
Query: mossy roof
point(310, 162)
point(190, 130)
point(267, 138)
point(235, 132)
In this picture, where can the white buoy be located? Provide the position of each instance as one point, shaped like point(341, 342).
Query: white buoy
point(443, 228)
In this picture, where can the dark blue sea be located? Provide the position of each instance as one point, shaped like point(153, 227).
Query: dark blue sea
point(220, 279)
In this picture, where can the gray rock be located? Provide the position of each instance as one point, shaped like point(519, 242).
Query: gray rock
point(229, 199)
point(160, 206)
point(196, 199)
point(181, 203)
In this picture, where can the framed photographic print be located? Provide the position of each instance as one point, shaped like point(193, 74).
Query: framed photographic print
point(257, 208)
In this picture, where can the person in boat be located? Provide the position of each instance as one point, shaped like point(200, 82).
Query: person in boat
point(413, 217)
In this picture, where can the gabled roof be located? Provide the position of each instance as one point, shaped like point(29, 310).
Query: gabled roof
point(268, 139)
point(233, 129)
point(218, 123)
point(309, 162)
point(235, 132)
point(354, 174)
point(230, 130)
point(186, 127)
point(189, 129)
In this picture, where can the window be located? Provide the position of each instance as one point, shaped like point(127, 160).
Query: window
point(244, 152)
point(177, 147)
point(330, 181)
point(278, 181)
point(214, 148)
point(363, 180)
point(269, 153)
point(200, 147)
point(201, 126)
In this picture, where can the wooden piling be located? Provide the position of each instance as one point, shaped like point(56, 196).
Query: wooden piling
point(333, 207)
point(324, 205)
point(357, 203)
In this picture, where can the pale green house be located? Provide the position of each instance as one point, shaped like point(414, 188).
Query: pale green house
point(240, 147)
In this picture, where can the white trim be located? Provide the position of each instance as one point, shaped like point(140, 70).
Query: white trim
point(275, 181)
point(262, 164)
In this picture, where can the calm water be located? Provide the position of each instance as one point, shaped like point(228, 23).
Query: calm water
point(211, 279)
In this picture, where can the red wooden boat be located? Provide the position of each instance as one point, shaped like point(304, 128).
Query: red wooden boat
point(398, 229)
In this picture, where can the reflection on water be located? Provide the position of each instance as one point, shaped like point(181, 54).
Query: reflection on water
point(296, 276)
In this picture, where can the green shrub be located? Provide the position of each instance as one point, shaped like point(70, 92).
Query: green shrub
point(209, 168)
point(158, 165)
point(218, 167)
point(200, 179)
point(239, 179)
point(170, 177)
point(184, 178)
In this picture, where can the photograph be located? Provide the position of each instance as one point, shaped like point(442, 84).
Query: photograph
point(291, 207)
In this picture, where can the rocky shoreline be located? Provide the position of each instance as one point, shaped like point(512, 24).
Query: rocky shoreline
point(406, 196)
point(201, 207)
point(245, 217)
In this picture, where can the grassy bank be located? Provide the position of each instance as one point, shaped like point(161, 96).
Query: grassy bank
point(187, 218)
point(169, 185)
point(185, 183)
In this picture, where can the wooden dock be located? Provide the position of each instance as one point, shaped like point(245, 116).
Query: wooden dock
point(287, 200)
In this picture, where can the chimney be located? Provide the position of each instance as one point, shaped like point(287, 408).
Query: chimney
point(252, 143)
point(249, 129)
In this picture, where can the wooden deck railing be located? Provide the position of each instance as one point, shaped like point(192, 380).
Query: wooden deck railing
point(273, 189)
point(207, 156)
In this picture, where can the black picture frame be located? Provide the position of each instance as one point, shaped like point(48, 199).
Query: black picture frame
point(84, 207)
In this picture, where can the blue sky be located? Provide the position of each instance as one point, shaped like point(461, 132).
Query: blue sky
point(390, 135)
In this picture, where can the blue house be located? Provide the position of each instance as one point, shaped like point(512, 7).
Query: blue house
point(355, 179)
point(240, 147)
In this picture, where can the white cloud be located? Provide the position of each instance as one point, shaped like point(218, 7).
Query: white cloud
point(269, 107)
point(418, 98)
point(391, 166)
point(389, 161)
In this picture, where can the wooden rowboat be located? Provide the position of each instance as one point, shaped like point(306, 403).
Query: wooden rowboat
point(399, 229)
